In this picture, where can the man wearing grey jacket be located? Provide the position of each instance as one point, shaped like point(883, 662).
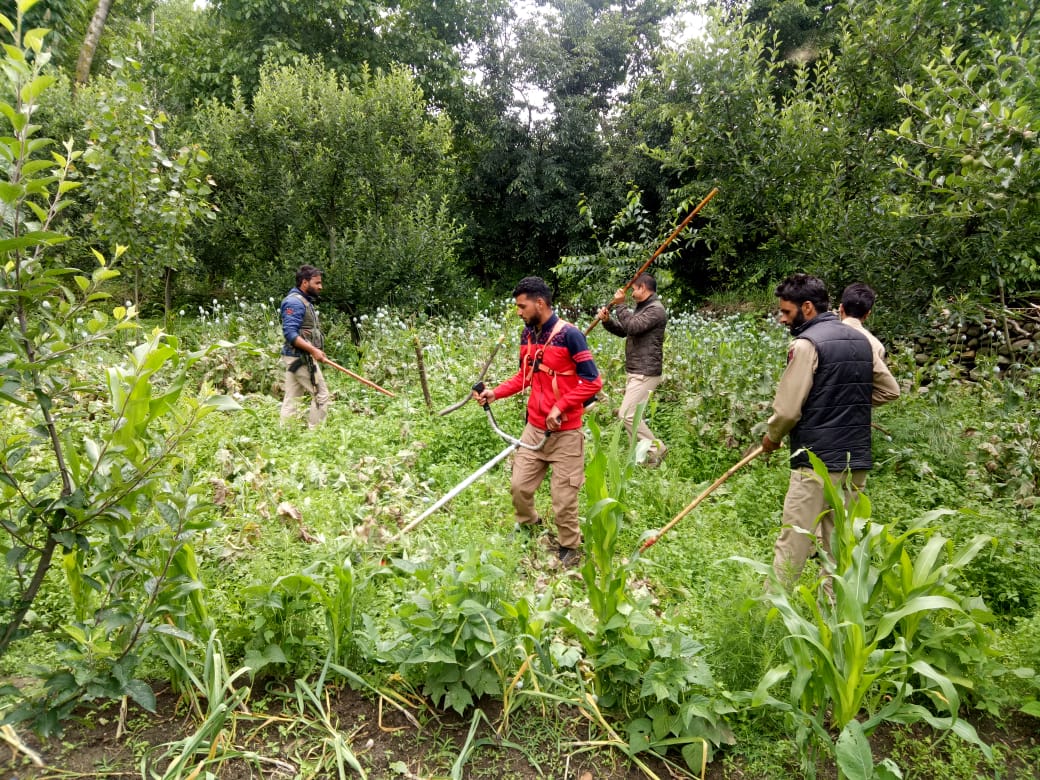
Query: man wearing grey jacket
point(643, 331)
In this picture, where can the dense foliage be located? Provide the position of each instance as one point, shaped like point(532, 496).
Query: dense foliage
point(401, 148)
point(855, 140)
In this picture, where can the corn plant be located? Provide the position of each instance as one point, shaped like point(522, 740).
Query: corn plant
point(645, 668)
point(289, 612)
point(215, 698)
point(880, 648)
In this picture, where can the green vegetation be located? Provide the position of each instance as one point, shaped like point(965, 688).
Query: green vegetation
point(298, 577)
point(159, 527)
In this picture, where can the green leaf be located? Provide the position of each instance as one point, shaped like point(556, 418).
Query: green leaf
point(913, 606)
point(11, 193)
point(888, 770)
point(224, 403)
point(458, 698)
point(141, 693)
point(31, 91)
point(693, 755)
point(34, 38)
point(852, 752)
point(769, 679)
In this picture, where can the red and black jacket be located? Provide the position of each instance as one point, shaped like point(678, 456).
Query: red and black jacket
point(557, 366)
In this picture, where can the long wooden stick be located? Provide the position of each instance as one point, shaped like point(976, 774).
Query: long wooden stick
point(660, 249)
point(359, 378)
point(707, 492)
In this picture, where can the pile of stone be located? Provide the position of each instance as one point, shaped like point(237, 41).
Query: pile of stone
point(1013, 338)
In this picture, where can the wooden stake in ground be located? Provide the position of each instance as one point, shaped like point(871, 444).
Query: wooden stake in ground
point(422, 371)
point(707, 492)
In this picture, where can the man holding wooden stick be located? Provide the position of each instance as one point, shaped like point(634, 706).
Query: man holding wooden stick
point(643, 331)
point(303, 351)
point(823, 401)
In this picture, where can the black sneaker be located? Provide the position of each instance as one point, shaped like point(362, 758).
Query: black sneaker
point(569, 557)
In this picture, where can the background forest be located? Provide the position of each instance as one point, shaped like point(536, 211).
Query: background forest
point(417, 151)
point(168, 546)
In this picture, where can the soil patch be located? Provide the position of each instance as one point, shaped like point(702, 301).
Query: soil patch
point(275, 739)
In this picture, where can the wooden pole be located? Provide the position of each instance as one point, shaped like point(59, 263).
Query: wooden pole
point(361, 379)
point(707, 492)
point(660, 249)
point(422, 371)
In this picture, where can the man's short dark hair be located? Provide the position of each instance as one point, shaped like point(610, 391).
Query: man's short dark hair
point(306, 272)
point(533, 287)
point(799, 288)
point(647, 281)
point(857, 300)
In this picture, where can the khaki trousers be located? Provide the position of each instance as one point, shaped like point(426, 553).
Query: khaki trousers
point(298, 384)
point(806, 508)
point(565, 453)
point(637, 391)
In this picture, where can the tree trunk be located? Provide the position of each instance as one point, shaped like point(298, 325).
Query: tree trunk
point(90, 41)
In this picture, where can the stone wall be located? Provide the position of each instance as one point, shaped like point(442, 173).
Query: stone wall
point(967, 339)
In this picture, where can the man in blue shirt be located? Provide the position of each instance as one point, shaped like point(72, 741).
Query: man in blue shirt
point(303, 350)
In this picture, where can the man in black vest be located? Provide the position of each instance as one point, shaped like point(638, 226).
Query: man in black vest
point(824, 402)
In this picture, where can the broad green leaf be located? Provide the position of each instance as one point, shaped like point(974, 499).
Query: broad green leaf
point(31, 238)
point(887, 769)
point(225, 403)
point(458, 698)
point(31, 91)
point(852, 751)
point(141, 693)
point(10, 194)
point(914, 605)
point(33, 39)
point(33, 166)
point(15, 53)
point(769, 679)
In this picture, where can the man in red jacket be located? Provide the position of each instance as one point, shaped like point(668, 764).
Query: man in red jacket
point(558, 369)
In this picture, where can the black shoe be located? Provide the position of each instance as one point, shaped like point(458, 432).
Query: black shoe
point(569, 557)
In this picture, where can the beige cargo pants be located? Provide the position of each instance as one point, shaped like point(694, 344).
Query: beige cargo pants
point(298, 384)
point(637, 391)
point(805, 508)
point(564, 453)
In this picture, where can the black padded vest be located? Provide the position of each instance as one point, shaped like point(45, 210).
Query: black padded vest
point(835, 422)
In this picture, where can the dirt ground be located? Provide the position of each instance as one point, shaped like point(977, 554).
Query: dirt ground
point(105, 743)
